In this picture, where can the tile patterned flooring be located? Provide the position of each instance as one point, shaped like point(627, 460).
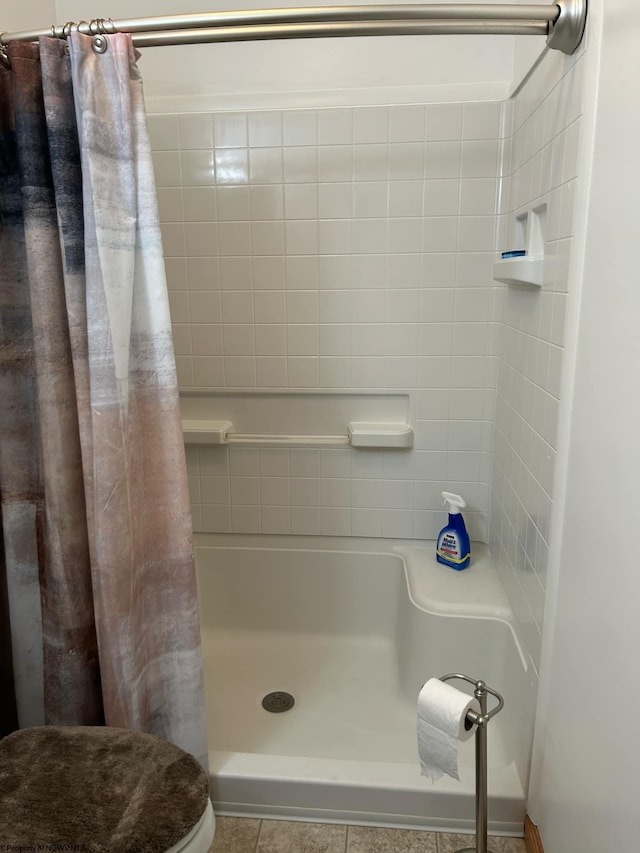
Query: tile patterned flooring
point(252, 835)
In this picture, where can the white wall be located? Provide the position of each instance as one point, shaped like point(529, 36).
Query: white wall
point(584, 794)
point(27, 16)
point(527, 50)
point(338, 71)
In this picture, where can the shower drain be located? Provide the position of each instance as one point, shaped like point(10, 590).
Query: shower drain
point(278, 701)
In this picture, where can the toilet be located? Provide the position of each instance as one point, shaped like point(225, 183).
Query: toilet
point(102, 789)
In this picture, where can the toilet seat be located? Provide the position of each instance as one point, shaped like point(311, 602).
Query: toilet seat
point(108, 788)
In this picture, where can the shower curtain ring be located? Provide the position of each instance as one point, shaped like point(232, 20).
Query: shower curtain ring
point(4, 57)
point(100, 28)
point(66, 31)
point(103, 26)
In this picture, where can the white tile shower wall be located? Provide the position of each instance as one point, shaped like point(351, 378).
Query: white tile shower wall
point(541, 154)
point(337, 250)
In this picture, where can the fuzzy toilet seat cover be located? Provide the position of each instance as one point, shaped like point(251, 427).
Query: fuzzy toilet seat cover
point(97, 789)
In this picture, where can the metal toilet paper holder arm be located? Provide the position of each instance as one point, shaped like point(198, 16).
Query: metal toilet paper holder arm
point(480, 721)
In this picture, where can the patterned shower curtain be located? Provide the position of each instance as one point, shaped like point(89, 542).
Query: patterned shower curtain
point(98, 560)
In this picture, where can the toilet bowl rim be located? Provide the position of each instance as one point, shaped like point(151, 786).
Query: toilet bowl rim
point(200, 838)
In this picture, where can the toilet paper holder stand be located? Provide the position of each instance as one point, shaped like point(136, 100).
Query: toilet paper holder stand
point(480, 692)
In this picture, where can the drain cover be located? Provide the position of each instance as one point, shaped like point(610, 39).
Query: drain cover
point(278, 701)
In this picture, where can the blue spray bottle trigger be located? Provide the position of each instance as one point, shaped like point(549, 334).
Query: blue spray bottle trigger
point(453, 548)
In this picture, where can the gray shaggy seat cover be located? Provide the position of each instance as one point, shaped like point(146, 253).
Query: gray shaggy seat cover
point(97, 790)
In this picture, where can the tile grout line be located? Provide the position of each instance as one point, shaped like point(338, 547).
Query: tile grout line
point(255, 846)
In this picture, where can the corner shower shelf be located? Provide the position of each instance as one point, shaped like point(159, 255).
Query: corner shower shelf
point(524, 264)
point(359, 434)
point(476, 591)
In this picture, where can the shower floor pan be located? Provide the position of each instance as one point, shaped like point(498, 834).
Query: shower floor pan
point(346, 633)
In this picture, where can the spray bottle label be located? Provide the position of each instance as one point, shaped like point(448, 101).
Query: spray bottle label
point(449, 548)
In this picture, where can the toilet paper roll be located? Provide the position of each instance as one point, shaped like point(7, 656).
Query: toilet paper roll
point(441, 717)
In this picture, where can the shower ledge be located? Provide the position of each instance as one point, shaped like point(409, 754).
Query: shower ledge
point(476, 591)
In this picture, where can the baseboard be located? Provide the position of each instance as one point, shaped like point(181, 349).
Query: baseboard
point(532, 837)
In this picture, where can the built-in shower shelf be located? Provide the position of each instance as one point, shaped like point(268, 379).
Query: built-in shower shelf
point(476, 591)
point(358, 434)
point(296, 418)
point(528, 271)
point(524, 264)
point(199, 431)
point(380, 435)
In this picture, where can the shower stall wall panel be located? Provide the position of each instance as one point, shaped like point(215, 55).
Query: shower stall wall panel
point(544, 122)
point(337, 251)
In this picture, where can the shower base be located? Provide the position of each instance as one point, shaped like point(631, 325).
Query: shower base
point(338, 630)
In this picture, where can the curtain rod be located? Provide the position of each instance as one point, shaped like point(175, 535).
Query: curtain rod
point(563, 23)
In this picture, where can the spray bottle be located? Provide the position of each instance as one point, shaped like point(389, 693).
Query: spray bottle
point(453, 548)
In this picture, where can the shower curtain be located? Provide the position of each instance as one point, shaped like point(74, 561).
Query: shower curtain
point(97, 564)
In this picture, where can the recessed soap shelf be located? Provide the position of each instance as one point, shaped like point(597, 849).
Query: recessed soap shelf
point(528, 268)
point(359, 434)
point(297, 419)
point(525, 270)
point(380, 435)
